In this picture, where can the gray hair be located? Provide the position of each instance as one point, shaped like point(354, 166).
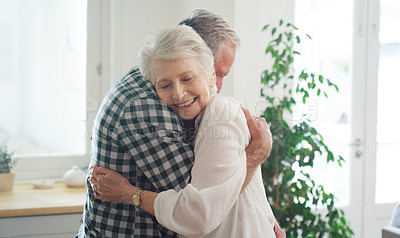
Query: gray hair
point(175, 43)
point(213, 29)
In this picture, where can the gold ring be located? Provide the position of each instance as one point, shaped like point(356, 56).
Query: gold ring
point(95, 188)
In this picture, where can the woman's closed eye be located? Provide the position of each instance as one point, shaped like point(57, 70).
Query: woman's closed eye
point(164, 86)
point(186, 79)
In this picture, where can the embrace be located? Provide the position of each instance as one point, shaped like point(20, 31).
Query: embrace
point(169, 158)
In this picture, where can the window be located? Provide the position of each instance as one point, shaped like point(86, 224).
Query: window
point(329, 53)
point(387, 161)
point(43, 60)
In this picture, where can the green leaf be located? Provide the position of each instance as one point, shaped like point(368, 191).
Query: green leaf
point(279, 39)
point(265, 27)
point(321, 78)
point(330, 156)
point(336, 87)
point(314, 131)
point(298, 39)
point(273, 30)
point(268, 49)
point(289, 36)
point(303, 75)
point(290, 59)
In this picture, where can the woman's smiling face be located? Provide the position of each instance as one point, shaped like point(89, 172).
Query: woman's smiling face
point(182, 85)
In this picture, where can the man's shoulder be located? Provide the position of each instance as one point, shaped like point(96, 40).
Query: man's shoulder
point(131, 89)
point(134, 98)
point(133, 85)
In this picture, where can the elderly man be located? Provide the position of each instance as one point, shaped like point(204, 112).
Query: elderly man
point(142, 139)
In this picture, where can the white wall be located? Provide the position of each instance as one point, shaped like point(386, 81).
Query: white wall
point(131, 21)
point(249, 18)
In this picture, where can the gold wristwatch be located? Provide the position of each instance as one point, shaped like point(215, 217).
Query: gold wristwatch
point(136, 198)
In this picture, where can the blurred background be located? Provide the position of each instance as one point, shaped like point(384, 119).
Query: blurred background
point(58, 59)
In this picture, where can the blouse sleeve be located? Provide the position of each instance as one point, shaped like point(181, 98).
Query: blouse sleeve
point(217, 176)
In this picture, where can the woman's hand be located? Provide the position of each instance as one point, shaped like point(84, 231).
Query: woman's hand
point(110, 186)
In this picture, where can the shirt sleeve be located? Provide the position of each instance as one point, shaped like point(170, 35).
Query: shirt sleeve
point(217, 176)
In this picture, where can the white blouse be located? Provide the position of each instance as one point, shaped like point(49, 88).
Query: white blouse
point(212, 205)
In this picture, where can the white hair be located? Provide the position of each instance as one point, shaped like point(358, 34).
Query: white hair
point(175, 43)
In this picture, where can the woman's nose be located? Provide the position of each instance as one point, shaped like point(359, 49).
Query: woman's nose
point(179, 92)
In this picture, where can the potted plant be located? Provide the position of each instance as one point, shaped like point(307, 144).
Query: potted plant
point(6, 164)
point(302, 207)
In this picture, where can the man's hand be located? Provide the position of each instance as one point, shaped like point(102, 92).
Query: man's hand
point(110, 186)
point(261, 140)
point(279, 233)
point(260, 144)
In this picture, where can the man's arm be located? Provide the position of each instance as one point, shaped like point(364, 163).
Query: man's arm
point(260, 144)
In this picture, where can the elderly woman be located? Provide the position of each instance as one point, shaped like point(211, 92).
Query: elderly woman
point(180, 66)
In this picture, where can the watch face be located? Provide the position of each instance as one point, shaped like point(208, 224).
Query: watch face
point(135, 201)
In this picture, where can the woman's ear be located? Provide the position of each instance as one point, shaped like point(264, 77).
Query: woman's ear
point(213, 79)
point(212, 85)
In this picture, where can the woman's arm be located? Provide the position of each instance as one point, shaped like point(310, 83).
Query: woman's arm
point(111, 186)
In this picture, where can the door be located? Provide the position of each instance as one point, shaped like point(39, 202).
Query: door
point(357, 45)
point(382, 183)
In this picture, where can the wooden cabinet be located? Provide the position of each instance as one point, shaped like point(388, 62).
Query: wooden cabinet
point(45, 213)
point(54, 226)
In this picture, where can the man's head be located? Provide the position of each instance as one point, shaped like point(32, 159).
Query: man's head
point(219, 36)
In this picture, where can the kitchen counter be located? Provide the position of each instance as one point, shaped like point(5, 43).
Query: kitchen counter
point(24, 200)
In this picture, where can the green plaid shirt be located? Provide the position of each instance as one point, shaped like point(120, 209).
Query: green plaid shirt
point(140, 137)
